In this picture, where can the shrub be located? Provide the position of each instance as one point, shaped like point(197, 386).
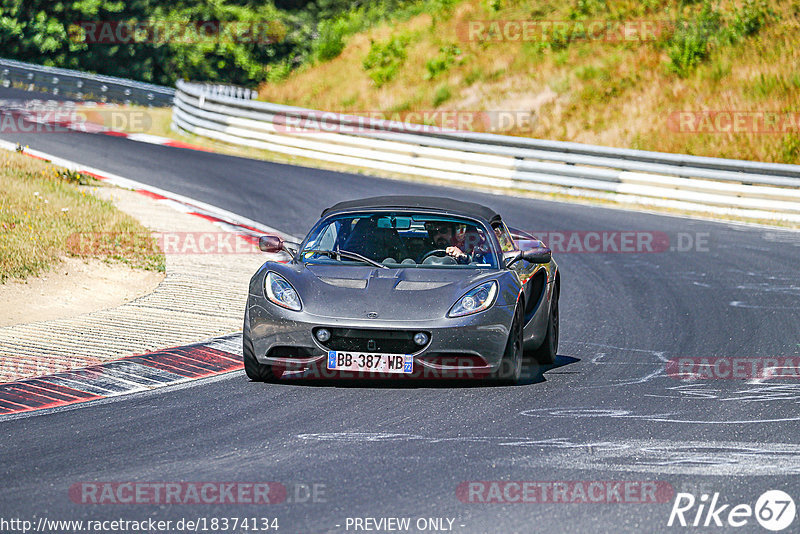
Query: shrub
point(585, 8)
point(385, 58)
point(790, 149)
point(750, 19)
point(331, 41)
point(441, 96)
point(279, 71)
point(692, 39)
point(474, 75)
point(442, 62)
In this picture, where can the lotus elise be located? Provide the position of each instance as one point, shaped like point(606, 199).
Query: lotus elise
point(403, 286)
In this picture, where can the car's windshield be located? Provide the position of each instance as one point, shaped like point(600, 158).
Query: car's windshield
point(400, 240)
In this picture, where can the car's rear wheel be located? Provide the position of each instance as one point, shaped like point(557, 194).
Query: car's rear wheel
point(546, 353)
point(254, 370)
point(510, 368)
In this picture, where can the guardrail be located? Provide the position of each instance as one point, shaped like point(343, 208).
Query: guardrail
point(81, 85)
point(745, 188)
point(233, 91)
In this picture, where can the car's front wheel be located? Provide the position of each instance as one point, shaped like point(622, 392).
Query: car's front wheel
point(254, 370)
point(510, 369)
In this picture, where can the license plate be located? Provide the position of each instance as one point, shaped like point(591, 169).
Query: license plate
point(370, 362)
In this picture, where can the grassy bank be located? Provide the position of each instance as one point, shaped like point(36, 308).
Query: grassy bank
point(705, 57)
point(47, 213)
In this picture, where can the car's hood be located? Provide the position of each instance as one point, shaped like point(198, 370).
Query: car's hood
point(396, 294)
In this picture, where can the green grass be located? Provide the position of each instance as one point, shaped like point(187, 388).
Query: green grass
point(443, 94)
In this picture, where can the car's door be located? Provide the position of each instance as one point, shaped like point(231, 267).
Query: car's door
point(532, 275)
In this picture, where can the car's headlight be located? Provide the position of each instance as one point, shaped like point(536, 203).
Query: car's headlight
point(476, 299)
point(281, 292)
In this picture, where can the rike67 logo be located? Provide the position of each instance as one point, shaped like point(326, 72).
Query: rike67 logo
point(774, 510)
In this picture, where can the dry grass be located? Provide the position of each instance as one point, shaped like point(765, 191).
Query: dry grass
point(131, 119)
point(606, 93)
point(46, 214)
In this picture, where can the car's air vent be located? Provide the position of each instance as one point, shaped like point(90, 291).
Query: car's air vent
point(291, 352)
point(454, 359)
point(405, 285)
point(345, 282)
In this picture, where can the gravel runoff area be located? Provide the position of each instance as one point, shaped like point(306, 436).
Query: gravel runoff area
point(202, 296)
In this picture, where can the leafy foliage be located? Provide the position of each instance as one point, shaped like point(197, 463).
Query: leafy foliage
point(298, 32)
point(448, 55)
point(442, 95)
point(696, 36)
point(385, 58)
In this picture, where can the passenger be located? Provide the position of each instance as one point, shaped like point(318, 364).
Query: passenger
point(506, 243)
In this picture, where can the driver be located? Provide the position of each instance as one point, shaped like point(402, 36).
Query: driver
point(444, 236)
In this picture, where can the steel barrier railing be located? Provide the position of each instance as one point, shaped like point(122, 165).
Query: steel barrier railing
point(748, 188)
point(78, 85)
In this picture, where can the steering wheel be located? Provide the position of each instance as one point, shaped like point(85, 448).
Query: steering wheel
point(438, 251)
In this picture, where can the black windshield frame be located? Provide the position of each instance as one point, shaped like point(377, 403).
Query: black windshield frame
point(481, 225)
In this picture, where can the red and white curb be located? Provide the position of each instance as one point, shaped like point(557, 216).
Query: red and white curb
point(131, 374)
point(94, 128)
point(154, 140)
point(148, 371)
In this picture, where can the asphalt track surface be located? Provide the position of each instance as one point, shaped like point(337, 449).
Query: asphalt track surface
point(606, 411)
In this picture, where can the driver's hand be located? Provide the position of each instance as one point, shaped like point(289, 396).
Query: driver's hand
point(455, 252)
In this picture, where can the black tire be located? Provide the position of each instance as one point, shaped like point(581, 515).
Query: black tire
point(510, 369)
point(256, 371)
point(547, 352)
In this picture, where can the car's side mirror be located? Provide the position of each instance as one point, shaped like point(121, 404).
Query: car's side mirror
point(270, 243)
point(541, 254)
point(275, 244)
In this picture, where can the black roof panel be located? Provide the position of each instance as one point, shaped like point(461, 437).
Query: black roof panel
point(448, 205)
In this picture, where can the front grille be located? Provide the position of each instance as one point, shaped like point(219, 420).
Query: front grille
point(362, 340)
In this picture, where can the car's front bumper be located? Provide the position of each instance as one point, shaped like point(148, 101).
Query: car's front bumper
point(463, 346)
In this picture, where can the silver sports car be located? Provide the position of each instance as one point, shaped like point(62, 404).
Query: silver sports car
point(401, 286)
